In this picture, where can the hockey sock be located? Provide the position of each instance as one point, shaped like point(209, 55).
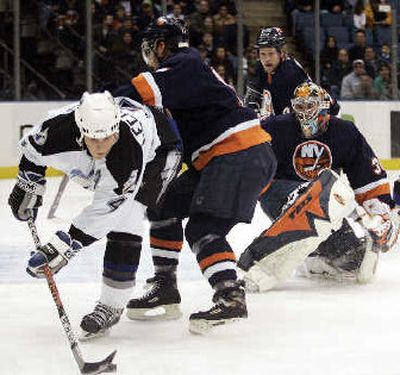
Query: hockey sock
point(206, 236)
point(216, 259)
point(166, 242)
point(121, 260)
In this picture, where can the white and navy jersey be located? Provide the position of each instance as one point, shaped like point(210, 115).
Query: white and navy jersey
point(341, 147)
point(56, 141)
point(209, 115)
point(280, 84)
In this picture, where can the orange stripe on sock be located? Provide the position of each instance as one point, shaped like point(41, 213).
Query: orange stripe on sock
point(166, 244)
point(238, 141)
point(212, 259)
point(144, 89)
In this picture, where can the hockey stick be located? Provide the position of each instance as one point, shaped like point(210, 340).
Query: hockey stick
point(57, 198)
point(91, 368)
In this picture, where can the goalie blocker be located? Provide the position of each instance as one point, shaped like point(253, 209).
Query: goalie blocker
point(271, 258)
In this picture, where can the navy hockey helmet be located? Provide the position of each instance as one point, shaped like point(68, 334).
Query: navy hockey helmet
point(172, 31)
point(270, 37)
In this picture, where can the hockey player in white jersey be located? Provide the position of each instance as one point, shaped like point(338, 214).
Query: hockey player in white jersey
point(127, 154)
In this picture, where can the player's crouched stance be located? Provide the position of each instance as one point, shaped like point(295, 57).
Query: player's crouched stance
point(337, 226)
point(127, 154)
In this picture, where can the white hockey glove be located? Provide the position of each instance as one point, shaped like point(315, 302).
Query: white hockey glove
point(379, 221)
point(56, 253)
point(26, 196)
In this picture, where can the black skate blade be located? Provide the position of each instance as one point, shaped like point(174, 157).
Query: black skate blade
point(106, 365)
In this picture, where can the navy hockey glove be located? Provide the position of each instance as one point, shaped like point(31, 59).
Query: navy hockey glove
point(27, 195)
point(56, 253)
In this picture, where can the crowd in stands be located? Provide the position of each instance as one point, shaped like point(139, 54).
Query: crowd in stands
point(355, 42)
point(53, 40)
point(53, 43)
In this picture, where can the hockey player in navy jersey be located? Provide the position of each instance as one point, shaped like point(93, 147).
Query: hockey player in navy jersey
point(309, 140)
point(124, 152)
point(277, 75)
point(230, 162)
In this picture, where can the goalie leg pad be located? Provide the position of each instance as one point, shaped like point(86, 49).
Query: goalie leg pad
point(273, 256)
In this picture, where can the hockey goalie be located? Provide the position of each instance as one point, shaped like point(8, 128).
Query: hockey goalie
point(329, 238)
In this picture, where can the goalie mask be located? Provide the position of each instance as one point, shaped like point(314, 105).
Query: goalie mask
point(97, 115)
point(172, 31)
point(310, 105)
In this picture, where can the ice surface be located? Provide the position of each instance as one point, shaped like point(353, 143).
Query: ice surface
point(304, 327)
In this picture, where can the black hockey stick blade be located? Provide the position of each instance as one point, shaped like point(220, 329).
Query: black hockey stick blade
point(105, 365)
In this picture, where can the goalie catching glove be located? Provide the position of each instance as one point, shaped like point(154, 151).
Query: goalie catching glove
point(380, 223)
point(56, 253)
point(26, 196)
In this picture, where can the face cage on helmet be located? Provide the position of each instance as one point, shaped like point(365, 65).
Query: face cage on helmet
point(312, 115)
point(147, 49)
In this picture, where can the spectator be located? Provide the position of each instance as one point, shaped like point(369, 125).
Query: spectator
point(382, 83)
point(197, 27)
point(177, 12)
point(251, 57)
point(339, 69)
point(209, 24)
point(333, 6)
point(208, 43)
point(367, 91)
point(220, 69)
point(371, 63)
point(385, 55)
point(219, 57)
point(378, 12)
point(105, 35)
point(351, 84)
point(204, 54)
point(359, 15)
point(358, 50)
point(222, 19)
point(147, 14)
point(330, 52)
point(119, 18)
point(304, 6)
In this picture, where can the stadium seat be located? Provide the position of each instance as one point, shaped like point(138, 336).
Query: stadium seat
point(383, 35)
point(331, 20)
point(304, 20)
point(308, 37)
point(341, 33)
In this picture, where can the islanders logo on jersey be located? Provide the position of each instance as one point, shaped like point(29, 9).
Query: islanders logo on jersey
point(310, 158)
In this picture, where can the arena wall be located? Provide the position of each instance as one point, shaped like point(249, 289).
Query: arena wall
point(372, 118)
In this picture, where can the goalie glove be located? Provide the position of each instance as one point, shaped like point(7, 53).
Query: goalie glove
point(380, 222)
point(56, 253)
point(27, 195)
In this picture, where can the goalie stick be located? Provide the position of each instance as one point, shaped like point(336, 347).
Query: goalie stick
point(57, 198)
point(90, 368)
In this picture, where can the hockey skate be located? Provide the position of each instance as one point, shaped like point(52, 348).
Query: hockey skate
point(160, 302)
point(99, 322)
point(230, 306)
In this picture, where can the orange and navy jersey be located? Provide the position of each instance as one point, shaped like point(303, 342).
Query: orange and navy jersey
point(210, 117)
point(341, 147)
point(281, 84)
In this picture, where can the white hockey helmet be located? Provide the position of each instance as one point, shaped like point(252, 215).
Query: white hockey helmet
point(97, 115)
